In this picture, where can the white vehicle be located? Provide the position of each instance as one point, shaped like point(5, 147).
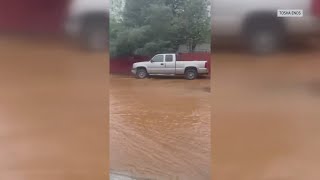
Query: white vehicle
point(88, 21)
point(168, 65)
point(255, 22)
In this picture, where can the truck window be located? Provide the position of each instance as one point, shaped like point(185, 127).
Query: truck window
point(169, 58)
point(158, 58)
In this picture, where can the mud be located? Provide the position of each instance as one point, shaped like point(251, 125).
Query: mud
point(160, 128)
point(266, 115)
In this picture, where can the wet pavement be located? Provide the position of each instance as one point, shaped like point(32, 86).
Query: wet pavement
point(160, 128)
point(266, 115)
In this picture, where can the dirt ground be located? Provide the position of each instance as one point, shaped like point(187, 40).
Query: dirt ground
point(265, 115)
point(53, 111)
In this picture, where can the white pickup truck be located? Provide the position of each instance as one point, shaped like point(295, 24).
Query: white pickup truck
point(169, 65)
point(88, 21)
point(255, 23)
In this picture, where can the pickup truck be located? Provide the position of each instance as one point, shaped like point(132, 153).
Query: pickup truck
point(87, 21)
point(169, 65)
point(255, 23)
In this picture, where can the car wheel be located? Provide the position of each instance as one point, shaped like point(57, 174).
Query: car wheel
point(141, 73)
point(97, 38)
point(264, 41)
point(191, 74)
point(95, 35)
point(265, 35)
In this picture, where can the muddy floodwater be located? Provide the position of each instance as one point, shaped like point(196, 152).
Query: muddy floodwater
point(53, 117)
point(266, 113)
point(54, 114)
point(160, 128)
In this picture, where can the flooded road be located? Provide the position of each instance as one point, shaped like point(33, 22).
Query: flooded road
point(160, 128)
point(53, 115)
point(266, 116)
point(53, 111)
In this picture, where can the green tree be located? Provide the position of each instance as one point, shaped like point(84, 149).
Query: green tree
point(194, 23)
point(116, 9)
point(148, 27)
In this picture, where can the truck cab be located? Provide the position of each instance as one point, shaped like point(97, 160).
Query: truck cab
point(87, 21)
point(255, 23)
point(170, 65)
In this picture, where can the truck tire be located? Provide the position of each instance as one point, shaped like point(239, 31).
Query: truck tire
point(141, 73)
point(264, 41)
point(95, 34)
point(191, 74)
point(265, 35)
point(96, 38)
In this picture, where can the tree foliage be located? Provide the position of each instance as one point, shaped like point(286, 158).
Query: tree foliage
point(148, 27)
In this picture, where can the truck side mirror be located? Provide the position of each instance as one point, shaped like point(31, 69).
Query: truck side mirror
point(151, 61)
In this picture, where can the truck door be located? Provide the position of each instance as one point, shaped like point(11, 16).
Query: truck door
point(170, 64)
point(156, 65)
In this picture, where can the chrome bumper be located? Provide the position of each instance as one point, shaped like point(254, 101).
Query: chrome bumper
point(203, 71)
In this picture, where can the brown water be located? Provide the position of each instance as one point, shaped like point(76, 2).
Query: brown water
point(53, 111)
point(266, 116)
point(53, 115)
point(160, 128)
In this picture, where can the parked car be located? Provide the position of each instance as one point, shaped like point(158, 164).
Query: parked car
point(254, 23)
point(170, 65)
point(88, 21)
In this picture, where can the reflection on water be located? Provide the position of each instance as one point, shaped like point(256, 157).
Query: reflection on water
point(160, 128)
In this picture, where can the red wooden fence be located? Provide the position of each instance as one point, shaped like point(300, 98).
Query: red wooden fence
point(33, 15)
point(123, 65)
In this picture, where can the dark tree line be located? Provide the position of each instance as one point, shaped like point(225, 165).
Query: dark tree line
point(148, 27)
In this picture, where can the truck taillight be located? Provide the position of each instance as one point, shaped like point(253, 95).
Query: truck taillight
point(207, 65)
point(316, 8)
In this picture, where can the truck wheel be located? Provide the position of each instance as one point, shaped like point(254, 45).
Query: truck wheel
point(96, 38)
point(191, 74)
point(94, 33)
point(265, 35)
point(264, 41)
point(141, 73)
